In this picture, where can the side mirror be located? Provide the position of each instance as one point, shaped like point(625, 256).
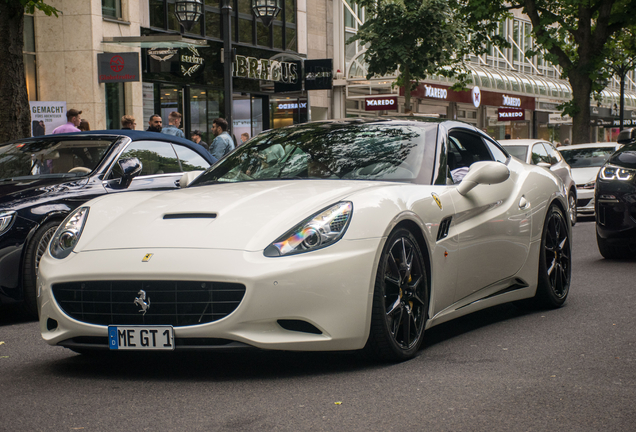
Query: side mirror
point(188, 177)
point(128, 169)
point(485, 172)
point(544, 165)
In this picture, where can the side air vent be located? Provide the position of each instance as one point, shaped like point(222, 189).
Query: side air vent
point(299, 326)
point(190, 216)
point(444, 226)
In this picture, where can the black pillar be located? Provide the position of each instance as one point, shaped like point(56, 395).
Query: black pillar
point(226, 11)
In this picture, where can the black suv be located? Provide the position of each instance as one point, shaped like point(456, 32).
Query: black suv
point(615, 201)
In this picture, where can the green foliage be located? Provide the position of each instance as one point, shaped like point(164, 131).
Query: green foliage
point(31, 5)
point(573, 33)
point(417, 38)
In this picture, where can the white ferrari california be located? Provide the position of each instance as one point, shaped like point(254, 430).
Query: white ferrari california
point(337, 235)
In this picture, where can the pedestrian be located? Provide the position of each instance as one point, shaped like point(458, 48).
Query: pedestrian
point(174, 121)
point(507, 136)
point(566, 142)
point(154, 123)
point(196, 137)
point(128, 122)
point(244, 137)
point(84, 126)
point(73, 120)
point(557, 144)
point(223, 143)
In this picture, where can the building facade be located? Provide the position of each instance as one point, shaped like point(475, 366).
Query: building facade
point(520, 95)
point(179, 70)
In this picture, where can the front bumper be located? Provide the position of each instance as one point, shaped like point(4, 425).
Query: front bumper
point(330, 289)
point(585, 202)
point(616, 210)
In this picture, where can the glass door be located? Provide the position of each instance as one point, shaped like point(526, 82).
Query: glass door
point(171, 99)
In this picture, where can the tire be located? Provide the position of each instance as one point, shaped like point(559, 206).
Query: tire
point(35, 249)
point(555, 261)
point(613, 251)
point(400, 300)
point(573, 208)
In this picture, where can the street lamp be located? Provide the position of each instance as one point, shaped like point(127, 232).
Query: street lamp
point(188, 12)
point(266, 10)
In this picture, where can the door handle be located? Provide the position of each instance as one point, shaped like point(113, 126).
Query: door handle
point(523, 202)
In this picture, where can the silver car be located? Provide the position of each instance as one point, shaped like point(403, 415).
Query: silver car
point(586, 160)
point(544, 154)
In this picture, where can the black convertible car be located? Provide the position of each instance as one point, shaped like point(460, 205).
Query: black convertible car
point(43, 179)
point(615, 201)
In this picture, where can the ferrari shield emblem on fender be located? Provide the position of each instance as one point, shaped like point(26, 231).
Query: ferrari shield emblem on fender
point(437, 200)
point(149, 255)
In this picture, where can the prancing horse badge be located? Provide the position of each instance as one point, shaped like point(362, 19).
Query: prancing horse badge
point(437, 200)
point(149, 255)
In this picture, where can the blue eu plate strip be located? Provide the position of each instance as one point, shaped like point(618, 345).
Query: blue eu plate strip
point(113, 343)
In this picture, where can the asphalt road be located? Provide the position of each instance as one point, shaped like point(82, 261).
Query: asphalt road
point(503, 369)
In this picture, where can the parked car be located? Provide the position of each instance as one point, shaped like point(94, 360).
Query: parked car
point(544, 154)
point(615, 201)
point(585, 161)
point(336, 235)
point(43, 179)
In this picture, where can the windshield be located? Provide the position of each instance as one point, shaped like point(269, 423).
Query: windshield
point(587, 157)
point(50, 158)
point(520, 152)
point(328, 151)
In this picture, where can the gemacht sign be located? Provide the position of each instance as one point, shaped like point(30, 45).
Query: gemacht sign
point(118, 67)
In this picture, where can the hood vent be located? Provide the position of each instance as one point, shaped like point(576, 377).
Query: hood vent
point(190, 216)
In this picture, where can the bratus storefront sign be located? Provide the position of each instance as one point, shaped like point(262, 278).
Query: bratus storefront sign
point(263, 69)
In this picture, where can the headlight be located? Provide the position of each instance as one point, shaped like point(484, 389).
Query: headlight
point(6, 220)
point(588, 185)
point(316, 232)
point(68, 233)
point(612, 172)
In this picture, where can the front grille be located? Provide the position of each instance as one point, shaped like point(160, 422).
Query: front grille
point(176, 303)
point(583, 202)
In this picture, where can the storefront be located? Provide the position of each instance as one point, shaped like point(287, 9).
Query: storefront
point(267, 86)
point(501, 115)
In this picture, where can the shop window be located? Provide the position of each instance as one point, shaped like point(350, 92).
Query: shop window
point(114, 95)
point(245, 30)
point(278, 36)
point(263, 34)
point(157, 13)
point(290, 12)
point(213, 23)
point(111, 8)
point(290, 37)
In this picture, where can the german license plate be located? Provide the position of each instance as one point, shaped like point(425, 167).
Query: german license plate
point(141, 338)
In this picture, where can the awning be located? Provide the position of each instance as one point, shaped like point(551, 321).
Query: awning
point(154, 41)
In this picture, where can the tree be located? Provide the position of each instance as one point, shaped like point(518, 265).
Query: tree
point(621, 60)
point(415, 37)
point(574, 35)
point(15, 116)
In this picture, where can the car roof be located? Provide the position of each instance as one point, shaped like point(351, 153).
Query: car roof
point(519, 142)
point(133, 135)
point(590, 145)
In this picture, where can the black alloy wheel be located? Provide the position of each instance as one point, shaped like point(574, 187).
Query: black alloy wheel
point(35, 250)
point(400, 301)
point(555, 261)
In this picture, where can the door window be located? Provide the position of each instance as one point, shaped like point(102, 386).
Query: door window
point(156, 157)
point(190, 160)
point(539, 154)
point(554, 155)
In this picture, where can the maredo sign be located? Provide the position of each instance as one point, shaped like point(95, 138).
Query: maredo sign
point(474, 96)
point(381, 103)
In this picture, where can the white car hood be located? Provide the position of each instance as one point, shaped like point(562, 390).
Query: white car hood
point(249, 215)
point(584, 175)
